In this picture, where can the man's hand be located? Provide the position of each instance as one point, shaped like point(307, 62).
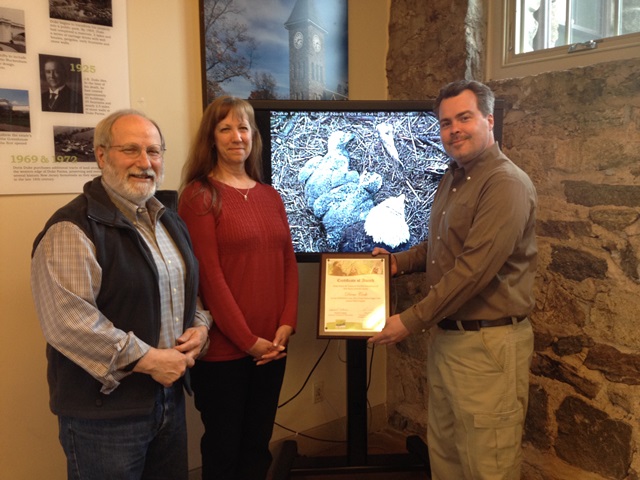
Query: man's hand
point(192, 341)
point(392, 259)
point(394, 331)
point(165, 366)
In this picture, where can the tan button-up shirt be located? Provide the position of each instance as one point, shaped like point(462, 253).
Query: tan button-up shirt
point(480, 257)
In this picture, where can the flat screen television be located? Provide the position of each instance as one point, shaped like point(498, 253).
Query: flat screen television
point(354, 174)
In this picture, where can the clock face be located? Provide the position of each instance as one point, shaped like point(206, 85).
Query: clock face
point(298, 40)
point(317, 44)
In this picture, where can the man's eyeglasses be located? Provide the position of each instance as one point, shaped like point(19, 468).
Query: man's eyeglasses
point(133, 150)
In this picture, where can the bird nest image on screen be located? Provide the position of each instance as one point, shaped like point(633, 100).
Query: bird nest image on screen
point(351, 181)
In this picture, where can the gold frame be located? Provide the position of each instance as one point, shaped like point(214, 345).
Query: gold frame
point(354, 286)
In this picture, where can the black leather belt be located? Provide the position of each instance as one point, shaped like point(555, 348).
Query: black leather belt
point(475, 325)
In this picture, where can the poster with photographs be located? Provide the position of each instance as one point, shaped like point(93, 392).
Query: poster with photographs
point(63, 67)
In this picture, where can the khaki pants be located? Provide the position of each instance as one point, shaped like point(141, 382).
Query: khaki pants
point(478, 393)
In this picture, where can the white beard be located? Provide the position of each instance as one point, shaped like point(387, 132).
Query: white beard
point(137, 193)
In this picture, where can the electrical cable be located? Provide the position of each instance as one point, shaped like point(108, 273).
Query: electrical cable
point(369, 408)
point(373, 350)
point(308, 376)
point(309, 436)
point(304, 384)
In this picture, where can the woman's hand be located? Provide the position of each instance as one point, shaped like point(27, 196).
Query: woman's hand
point(264, 351)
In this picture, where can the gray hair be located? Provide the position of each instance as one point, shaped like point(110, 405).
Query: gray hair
point(102, 135)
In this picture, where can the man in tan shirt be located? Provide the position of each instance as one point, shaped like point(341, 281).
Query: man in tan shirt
point(480, 262)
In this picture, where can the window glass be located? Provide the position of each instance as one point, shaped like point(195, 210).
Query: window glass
point(543, 24)
point(630, 17)
point(527, 37)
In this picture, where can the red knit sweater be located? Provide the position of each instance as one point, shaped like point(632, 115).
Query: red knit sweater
point(248, 270)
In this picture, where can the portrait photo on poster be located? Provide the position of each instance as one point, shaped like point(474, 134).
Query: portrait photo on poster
point(61, 84)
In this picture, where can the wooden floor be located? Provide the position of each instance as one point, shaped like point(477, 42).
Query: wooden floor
point(384, 448)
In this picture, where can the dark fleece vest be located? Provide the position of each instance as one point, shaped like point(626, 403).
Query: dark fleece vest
point(128, 297)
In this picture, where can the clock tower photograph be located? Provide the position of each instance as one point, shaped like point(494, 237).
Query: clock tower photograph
point(308, 69)
point(275, 49)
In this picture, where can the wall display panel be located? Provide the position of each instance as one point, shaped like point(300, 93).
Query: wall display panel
point(63, 67)
point(354, 175)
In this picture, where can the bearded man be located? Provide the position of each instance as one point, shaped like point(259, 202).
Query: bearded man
point(114, 282)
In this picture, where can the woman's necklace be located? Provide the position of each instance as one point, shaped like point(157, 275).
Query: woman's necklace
point(245, 195)
point(228, 184)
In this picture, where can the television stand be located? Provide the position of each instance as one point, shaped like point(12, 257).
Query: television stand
point(357, 460)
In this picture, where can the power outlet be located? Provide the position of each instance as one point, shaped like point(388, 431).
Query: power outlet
point(318, 392)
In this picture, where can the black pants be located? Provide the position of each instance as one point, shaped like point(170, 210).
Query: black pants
point(237, 401)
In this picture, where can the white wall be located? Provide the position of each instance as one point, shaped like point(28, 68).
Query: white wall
point(165, 83)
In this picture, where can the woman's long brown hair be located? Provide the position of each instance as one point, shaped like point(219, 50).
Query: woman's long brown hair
point(203, 156)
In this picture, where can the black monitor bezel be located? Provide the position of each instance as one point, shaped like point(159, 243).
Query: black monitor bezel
point(263, 107)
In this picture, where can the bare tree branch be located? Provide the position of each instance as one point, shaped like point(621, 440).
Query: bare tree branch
point(229, 49)
point(264, 87)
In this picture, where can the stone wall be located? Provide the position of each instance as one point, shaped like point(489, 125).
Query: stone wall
point(577, 134)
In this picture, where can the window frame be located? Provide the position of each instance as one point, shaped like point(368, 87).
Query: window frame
point(502, 63)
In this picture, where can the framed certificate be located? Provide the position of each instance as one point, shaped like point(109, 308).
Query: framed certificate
point(354, 294)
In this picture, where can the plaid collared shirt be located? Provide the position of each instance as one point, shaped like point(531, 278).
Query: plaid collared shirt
point(67, 277)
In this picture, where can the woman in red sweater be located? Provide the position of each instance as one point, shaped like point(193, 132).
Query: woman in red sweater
point(249, 283)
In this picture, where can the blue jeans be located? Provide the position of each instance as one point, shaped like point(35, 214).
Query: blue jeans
point(150, 447)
